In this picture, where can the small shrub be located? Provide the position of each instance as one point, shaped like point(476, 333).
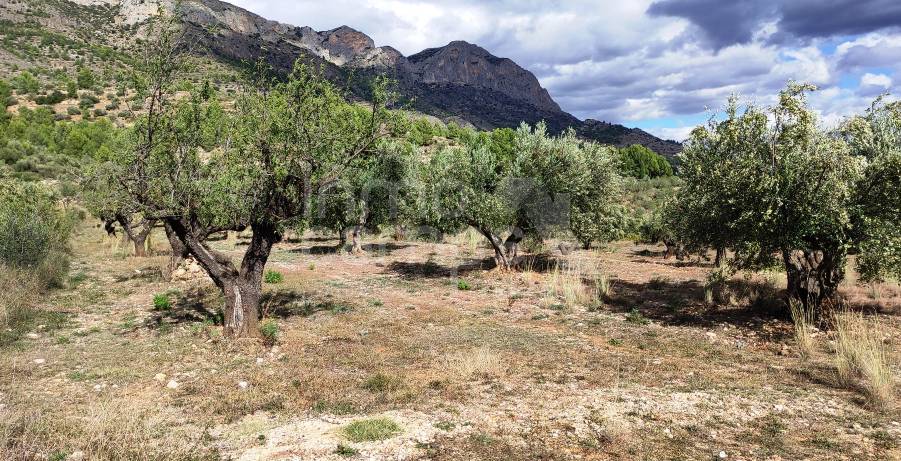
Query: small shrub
point(273, 277)
point(161, 302)
point(463, 285)
point(346, 451)
point(269, 331)
point(446, 426)
point(371, 430)
point(381, 382)
point(635, 316)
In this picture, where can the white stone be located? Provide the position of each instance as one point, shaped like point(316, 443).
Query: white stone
point(33, 336)
point(723, 455)
point(40, 361)
point(173, 384)
point(75, 456)
point(243, 384)
point(260, 360)
point(159, 377)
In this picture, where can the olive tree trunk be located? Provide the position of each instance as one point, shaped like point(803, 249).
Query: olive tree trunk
point(813, 277)
point(179, 251)
point(137, 233)
point(500, 256)
point(720, 256)
point(241, 286)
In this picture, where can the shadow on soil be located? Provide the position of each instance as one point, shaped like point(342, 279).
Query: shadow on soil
point(743, 304)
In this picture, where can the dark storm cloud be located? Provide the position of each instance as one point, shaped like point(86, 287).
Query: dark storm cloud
point(725, 23)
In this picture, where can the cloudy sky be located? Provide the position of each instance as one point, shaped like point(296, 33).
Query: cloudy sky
point(655, 64)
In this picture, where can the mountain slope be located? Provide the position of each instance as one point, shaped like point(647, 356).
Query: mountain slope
point(459, 81)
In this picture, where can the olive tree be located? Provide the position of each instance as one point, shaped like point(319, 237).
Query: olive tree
point(531, 184)
point(791, 190)
point(202, 170)
point(875, 137)
point(464, 186)
point(577, 178)
point(375, 193)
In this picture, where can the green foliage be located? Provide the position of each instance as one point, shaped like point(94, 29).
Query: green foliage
point(34, 232)
point(346, 451)
point(790, 189)
point(26, 83)
point(35, 145)
point(381, 382)
point(532, 181)
point(875, 137)
point(273, 277)
point(638, 161)
point(85, 78)
point(371, 430)
point(161, 302)
point(463, 285)
point(269, 331)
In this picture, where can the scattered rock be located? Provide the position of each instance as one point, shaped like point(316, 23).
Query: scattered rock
point(75, 456)
point(243, 384)
point(33, 336)
point(173, 384)
point(40, 361)
point(159, 377)
point(723, 455)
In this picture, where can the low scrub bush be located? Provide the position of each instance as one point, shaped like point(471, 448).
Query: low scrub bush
point(371, 430)
point(273, 277)
point(269, 332)
point(34, 232)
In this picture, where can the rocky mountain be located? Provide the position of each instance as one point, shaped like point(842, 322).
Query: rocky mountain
point(459, 81)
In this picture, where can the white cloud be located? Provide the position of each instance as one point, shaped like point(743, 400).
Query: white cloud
point(880, 80)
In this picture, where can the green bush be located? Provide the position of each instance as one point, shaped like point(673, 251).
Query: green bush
point(161, 302)
point(371, 430)
point(273, 277)
point(269, 331)
point(34, 232)
point(463, 285)
point(640, 162)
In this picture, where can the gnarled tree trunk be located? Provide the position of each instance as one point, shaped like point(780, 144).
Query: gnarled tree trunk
point(500, 257)
point(179, 250)
point(241, 287)
point(511, 245)
point(720, 256)
point(813, 276)
point(357, 239)
point(137, 233)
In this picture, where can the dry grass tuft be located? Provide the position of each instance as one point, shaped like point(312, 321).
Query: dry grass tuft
point(565, 283)
point(802, 319)
point(476, 364)
point(861, 352)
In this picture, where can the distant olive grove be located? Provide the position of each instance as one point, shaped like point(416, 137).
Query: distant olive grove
point(763, 187)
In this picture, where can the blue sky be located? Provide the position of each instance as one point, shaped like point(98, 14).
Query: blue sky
point(660, 65)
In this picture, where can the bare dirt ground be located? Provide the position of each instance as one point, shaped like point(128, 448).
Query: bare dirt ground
point(501, 370)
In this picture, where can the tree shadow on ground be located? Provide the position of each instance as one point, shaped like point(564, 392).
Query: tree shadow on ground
point(432, 270)
point(292, 303)
point(745, 304)
point(385, 248)
point(199, 304)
